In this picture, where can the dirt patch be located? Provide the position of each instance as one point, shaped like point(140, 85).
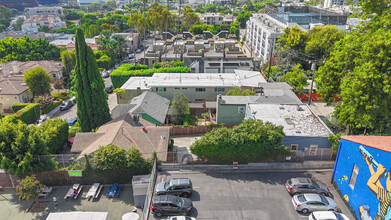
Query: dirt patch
point(38, 206)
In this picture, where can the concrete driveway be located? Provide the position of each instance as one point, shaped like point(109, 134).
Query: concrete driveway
point(241, 195)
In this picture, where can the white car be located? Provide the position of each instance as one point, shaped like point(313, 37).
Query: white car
point(327, 215)
point(181, 218)
point(310, 202)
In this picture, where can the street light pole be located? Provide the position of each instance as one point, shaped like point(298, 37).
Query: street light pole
point(313, 68)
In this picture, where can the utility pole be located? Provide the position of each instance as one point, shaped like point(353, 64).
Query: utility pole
point(313, 68)
point(271, 38)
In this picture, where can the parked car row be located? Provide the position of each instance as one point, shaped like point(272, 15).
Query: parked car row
point(171, 198)
point(311, 195)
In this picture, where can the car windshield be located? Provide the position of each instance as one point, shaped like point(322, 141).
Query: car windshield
point(324, 200)
point(301, 198)
point(315, 183)
point(313, 216)
point(339, 216)
point(178, 201)
point(166, 185)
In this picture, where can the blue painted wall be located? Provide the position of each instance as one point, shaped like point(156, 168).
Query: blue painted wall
point(348, 156)
point(305, 142)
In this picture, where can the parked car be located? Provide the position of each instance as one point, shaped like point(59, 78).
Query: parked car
point(65, 105)
point(327, 215)
point(109, 71)
point(301, 185)
point(181, 218)
point(109, 89)
point(181, 187)
point(41, 121)
point(138, 51)
point(130, 56)
point(72, 122)
point(169, 205)
point(311, 202)
point(106, 75)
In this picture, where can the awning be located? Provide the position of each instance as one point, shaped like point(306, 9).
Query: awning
point(77, 216)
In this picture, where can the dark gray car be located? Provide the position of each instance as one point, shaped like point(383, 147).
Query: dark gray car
point(181, 187)
point(302, 185)
point(171, 205)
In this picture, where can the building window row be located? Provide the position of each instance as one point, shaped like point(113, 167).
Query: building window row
point(200, 89)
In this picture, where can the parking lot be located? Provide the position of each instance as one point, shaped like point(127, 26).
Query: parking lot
point(246, 195)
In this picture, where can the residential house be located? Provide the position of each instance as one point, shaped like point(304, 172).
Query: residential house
point(362, 174)
point(13, 89)
point(149, 105)
point(306, 134)
point(231, 109)
point(196, 86)
point(125, 132)
point(19, 34)
point(53, 68)
point(30, 26)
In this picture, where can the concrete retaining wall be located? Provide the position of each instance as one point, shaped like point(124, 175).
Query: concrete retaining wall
point(306, 165)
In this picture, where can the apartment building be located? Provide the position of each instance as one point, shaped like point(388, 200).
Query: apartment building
point(216, 19)
point(56, 11)
point(331, 3)
point(263, 30)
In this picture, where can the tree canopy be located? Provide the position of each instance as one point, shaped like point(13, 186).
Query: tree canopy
point(38, 81)
point(92, 107)
point(250, 141)
point(179, 106)
point(236, 91)
point(296, 78)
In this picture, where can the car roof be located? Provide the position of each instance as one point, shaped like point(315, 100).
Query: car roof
point(181, 181)
point(301, 180)
point(311, 197)
point(328, 215)
point(164, 199)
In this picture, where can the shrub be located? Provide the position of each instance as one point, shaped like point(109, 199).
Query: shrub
point(61, 96)
point(73, 130)
point(55, 134)
point(49, 108)
point(28, 188)
point(29, 114)
point(17, 106)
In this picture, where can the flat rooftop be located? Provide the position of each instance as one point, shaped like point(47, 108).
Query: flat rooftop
point(298, 120)
point(239, 78)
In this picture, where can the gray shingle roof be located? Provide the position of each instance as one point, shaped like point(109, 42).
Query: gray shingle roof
point(148, 102)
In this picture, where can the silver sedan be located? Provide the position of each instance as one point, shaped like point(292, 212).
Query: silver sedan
point(313, 202)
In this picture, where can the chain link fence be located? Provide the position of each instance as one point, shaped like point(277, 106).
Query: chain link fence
point(64, 160)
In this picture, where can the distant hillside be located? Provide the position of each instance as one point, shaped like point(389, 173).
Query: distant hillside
point(19, 4)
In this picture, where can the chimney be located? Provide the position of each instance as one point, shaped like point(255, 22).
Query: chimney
point(6, 71)
point(15, 67)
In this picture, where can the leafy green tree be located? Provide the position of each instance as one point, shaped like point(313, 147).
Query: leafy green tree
point(73, 14)
point(293, 38)
point(69, 60)
point(251, 141)
point(242, 18)
point(199, 28)
point(358, 72)
point(26, 49)
point(296, 78)
point(179, 106)
point(20, 147)
point(38, 81)
point(28, 188)
point(321, 41)
point(92, 107)
point(135, 160)
point(110, 157)
point(189, 17)
point(5, 17)
point(18, 24)
point(236, 91)
point(54, 133)
point(45, 28)
point(210, 8)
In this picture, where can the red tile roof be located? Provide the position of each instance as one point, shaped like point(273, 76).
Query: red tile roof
point(378, 142)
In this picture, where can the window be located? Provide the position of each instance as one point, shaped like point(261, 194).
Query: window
point(160, 89)
point(184, 88)
point(200, 89)
point(219, 89)
point(176, 88)
point(294, 147)
point(353, 177)
point(200, 99)
point(313, 149)
point(241, 110)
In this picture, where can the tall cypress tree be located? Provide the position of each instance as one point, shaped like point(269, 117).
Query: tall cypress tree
point(92, 107)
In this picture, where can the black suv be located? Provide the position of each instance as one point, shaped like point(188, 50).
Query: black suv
point(181, 187)
point(302, 185)
point(169, 205)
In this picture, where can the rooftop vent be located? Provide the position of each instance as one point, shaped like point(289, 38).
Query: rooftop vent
point(299, 108)
point(288, 120)
point(282, 107)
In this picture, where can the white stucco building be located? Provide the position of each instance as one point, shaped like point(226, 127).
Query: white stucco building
point(330, 3)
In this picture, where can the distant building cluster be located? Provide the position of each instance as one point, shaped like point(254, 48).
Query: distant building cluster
point(43, 16)
point(263, 30)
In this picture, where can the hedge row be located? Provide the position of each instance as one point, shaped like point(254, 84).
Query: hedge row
point(17, 106)
point(60, 96)
point(29, 114)
point(168, 64)
point(49, 108)
point(121, 75)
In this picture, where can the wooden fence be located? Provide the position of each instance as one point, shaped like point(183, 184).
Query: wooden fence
point(178, 131)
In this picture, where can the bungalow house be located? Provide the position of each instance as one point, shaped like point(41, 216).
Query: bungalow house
point(306, 134)
point(362, 174)
point(126, 131)
point(149, 105)
point(53, 68)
